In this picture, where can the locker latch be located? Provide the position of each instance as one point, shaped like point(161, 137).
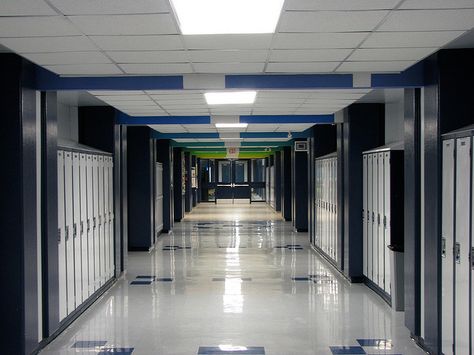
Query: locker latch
point(385, 222)
point(373, 217)
point(443, 247)
point(95, 222)
point(82, 227)
point(378, 218)
point(457, 253)
point(59, 235)
point(67, 233)
point(88, 225)
point(472, 258)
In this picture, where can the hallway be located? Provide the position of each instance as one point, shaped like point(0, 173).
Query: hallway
point(243, 285)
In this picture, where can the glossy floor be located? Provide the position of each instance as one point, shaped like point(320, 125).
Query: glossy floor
point(224, 283)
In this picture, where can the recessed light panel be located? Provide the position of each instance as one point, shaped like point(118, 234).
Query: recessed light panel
point(230, 97)
point(227, 16)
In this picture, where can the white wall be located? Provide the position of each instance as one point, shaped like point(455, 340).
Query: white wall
point(68, 122)
point(394, 127)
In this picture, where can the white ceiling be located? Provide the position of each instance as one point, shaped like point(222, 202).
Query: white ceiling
point(141, 37)
point(210, 128)
point(192, 102)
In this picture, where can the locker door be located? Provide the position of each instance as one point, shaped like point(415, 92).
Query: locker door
point(375, 226)
point(106, 221)
point(95, 183)
point(100, 166)
point(69, 219)
point(90, 223)
point(335, 210)
point(318, 207)
point(387, 221)
point(447, 256)
point(370, 212)
point(381, 236)
point(111, 218)
point(61, 240)
point(364, 212)
point(325, 218)
point(83, 226)
point(329, 222)
point(76, 188)
point(462, 267)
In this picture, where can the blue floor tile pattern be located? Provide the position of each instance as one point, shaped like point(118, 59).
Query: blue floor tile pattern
point(383, 344)
point(117, 351)
point(174, 247)
point(164, 279)
point(83, 344)
point(222, 350)
point(141, 282)
point(346, 350)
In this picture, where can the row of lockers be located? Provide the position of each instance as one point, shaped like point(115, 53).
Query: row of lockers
point(85, 226)
point(457, 246)
point(382, 196)
point(326, 206)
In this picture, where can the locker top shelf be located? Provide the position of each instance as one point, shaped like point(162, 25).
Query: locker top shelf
point(466, 131)
point(327, 156)
point(64, 144)
point(386, 148)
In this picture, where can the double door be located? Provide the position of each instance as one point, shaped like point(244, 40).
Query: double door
point(85, 226)
point(233, 180)
point(457, 253)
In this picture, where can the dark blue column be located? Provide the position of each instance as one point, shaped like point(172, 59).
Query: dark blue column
point(188, 199)
point(49, 210)
point(164, 153)
point(449, 105)
point(179, 189)
point(300, 190)
point(412, 210)
point(18, 219)
point(278, 181)
point(286, 186)
point(363, 128)
point(141, 161)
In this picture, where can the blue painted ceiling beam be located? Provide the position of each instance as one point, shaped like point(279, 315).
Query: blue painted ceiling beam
point(262, 119)
point(46, 80)
point(158, 135)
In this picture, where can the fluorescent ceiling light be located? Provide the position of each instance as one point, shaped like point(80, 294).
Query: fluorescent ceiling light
point(230, 97)
point(227, 16)
point(231, 125)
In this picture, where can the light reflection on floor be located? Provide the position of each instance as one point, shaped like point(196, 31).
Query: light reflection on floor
point(234, 289)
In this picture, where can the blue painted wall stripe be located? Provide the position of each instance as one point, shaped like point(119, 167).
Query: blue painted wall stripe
point(413, 77)
point(298, 81)
point(46, 80)
point(287, 119)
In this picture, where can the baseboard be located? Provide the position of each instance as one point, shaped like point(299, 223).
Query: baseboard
point(374, 287)
point(139, 248)
point(302, 230)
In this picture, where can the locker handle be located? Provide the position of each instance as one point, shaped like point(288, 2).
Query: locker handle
point(457, 253)
point(95, 222)
point(373, 217)
point(443, 247)
point(472, 258)
point(74, 230)
point(82, 227)
point(88, 225)
point(385, 221)
point(59, 235)
point(67, 233)
point(378, 218)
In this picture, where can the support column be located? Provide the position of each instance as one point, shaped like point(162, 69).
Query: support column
point(363, 129)
point(286, 186)
point(164, 153)
point(300, 190)
point(19, 218)
point(278, 181)
point(188, 205)
point(179, 192)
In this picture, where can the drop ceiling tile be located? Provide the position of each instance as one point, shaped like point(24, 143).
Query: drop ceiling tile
point(145, 114)
point(437, 4)
point(272, 112)
point(321, 5)
point(285, 94)
point(228, 68)
point(36, 26)
point(25, 8)
point(330, 21)
point(178, 68)
point(261, 128)
point(170, 103)
point(109, 7)
point(314, 67)
point(85, 69)
point(318, 40)
point(233, 56)
point(191, 127)
point(49, 44)
point(429, 20)
point(391, 54)
point(149, 24)
point(294, 127)
point(67, 58)
point(121, 98)
point(130, 103)
point(149, 56)
point(410, 39)
point(138, 43)
point(309, 55)
point(375, 67)
point(235, 41)
point(172, 127)
point(184, 107)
